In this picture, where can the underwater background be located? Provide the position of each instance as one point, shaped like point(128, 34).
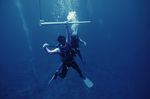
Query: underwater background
point(117, 54)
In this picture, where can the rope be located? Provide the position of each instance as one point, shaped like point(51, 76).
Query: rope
point(40, 9)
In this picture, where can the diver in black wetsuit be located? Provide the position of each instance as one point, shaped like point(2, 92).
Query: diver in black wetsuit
point(75, 39)
point(67, 55)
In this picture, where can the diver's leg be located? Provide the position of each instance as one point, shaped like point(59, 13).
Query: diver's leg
point(58, 71)
point(75, 66)
point(64, 71)
point(60, 67)
point(78, 51)
point(79, 54)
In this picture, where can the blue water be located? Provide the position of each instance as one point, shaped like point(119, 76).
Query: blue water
point(117, 54)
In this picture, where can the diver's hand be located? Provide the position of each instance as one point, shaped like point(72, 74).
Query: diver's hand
point(45, 45)
point(85, 43)
point(66, 24)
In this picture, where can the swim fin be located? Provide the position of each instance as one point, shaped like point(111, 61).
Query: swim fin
point(88, 82)
point(51, 79)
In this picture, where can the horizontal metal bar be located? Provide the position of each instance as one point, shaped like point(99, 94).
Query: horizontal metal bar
point(62, 23)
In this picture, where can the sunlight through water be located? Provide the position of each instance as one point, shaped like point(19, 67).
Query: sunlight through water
point(26, 29)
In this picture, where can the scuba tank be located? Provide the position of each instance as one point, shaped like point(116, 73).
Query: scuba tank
point(67, 53)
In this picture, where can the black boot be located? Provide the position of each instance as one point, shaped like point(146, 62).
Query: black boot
point(82, 76)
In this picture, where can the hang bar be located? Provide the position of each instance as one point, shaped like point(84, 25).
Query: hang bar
point(42, 23)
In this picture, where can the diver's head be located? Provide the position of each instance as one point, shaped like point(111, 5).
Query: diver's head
point(62, 40)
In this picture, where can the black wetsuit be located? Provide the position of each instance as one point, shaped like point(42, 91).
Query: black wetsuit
point(67, 56)
point(75, 41)
point(75, 44)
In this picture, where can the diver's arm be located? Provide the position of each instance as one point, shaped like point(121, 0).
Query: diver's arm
point(68, 35)
point(55, 51)
point(83, 42)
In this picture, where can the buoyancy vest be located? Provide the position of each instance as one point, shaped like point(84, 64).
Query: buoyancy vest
point(75, 41)
point(67, 53)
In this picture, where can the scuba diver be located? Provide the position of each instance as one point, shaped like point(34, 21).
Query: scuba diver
point(75, 39)
point(67, 54)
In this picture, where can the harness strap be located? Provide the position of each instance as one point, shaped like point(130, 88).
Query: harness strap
point(70, 55)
